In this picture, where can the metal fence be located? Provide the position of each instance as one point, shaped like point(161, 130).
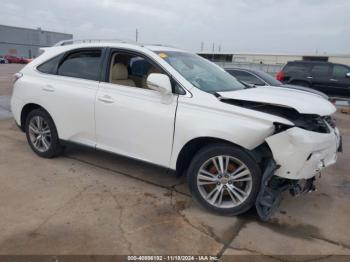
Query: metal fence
point(270, 69)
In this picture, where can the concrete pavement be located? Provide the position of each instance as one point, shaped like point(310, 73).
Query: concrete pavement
point(88, 202)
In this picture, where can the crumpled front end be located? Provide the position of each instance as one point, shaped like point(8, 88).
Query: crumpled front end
point(298, 155)
point(302, 154)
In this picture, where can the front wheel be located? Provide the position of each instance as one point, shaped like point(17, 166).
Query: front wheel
point(225, 179)
point(42, 134)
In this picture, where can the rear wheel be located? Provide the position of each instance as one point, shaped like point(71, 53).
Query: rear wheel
point(42, 134)
point(224, 179)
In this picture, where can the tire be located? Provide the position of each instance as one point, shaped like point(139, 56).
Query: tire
point(240, 162)
point(36, 135)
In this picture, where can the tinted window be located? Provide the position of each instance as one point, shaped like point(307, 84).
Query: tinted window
point(320, 70)
point(268, 78)
point(50, 66)
point(296, 68)
point(340, 71)
point(83, 64)
point(246, 77)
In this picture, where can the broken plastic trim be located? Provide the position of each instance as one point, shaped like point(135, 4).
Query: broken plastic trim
point(271, 188)
point(268, 199)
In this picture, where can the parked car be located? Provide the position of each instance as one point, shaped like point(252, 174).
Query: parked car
point(12, 59)
point(24, 60)
point(3, 60)
point(260, 78)
point(177, 110)
point(332, 79)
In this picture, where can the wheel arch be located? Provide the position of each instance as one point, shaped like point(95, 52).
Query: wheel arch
point(26, 110)
point(187, 152)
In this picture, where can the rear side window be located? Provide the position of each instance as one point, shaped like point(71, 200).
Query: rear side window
point(320, 70)
point(82, 64)
point(296, 68)
point(50, 66)
point(246, 77)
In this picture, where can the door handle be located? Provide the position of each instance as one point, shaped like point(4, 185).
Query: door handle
point(48, 88)
point(309, 77)
point(106, 99)
point(333, 80)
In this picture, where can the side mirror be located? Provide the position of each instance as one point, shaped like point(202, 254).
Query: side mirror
point(160, 83)
point(347, 75)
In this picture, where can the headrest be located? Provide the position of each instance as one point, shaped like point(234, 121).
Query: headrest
point(152, 70)
point(119, 72)
point(140, 67)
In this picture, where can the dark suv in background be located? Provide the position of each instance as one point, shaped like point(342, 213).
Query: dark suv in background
point(257, 77)
point(332, 79)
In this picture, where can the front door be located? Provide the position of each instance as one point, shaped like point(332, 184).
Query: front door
point(132, 119)
point(319, 77)
point(339, 81)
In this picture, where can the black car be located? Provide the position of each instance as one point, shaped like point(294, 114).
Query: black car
point(332, 79)
point(260, 78)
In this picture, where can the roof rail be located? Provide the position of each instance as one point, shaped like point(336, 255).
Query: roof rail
point(79, 41)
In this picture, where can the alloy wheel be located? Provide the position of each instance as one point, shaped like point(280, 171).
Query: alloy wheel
point(224, 181)
point(40, 134)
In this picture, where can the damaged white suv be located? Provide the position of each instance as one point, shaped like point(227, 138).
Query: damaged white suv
point(239, 146)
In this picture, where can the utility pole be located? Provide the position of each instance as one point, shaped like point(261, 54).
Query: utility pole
point(202, 46)
point(137, 35)
point(213, 50)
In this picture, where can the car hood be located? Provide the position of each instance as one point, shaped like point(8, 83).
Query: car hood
point(307, 89)
point(303, 102)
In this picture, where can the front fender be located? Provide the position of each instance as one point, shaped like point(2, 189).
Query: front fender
point(194, 122)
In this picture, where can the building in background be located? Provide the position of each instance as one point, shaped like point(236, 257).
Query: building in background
point(271, 59)
point(25, 42)
point(270, 63)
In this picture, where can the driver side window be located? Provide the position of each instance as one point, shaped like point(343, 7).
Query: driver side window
point(130, 70)
point(339, 71)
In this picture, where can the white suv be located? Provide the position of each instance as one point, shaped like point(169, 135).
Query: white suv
point(238, 145)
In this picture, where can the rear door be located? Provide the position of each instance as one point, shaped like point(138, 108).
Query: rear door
point(319, 77)
point(69, 84)
point(297, 72)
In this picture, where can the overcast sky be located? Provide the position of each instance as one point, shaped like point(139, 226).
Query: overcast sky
point(287, 26)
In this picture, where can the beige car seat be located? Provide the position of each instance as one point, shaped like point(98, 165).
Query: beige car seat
point(120, 76)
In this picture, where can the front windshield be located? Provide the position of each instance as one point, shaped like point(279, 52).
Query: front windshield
point(200, 72)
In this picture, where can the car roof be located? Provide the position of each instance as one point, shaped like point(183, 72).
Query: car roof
point(151, 47)
point(308, 62)
point(302, 62)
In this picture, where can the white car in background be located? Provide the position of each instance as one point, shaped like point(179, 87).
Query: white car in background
point(238, 145)
point(3, 60)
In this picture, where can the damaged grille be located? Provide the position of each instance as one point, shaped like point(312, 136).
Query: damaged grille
point(330, 121)
point(312, 123)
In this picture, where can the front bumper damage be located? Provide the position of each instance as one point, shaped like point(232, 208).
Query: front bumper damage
point(302, 154)
point(298, 156)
